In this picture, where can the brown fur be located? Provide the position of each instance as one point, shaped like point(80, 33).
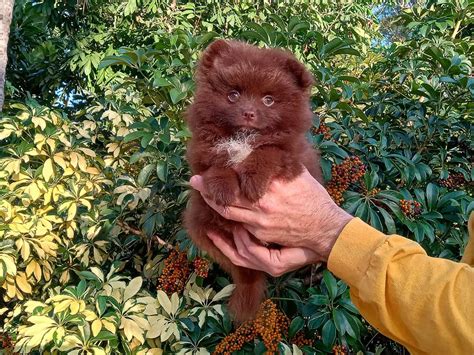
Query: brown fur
point(280, 148)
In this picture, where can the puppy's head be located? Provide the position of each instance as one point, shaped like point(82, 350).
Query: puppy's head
point(243, 87)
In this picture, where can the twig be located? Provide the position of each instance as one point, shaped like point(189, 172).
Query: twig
point(135, 231)
point(456, 29)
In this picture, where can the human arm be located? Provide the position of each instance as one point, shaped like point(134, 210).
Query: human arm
point(422, 302)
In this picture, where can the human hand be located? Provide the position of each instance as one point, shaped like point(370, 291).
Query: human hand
point(248, 252)
point(299, 213)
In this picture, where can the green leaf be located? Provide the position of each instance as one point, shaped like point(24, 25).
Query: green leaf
point(317, 321)
point(162, 170)
point(347, 304)
point(352, 329)
point(206, 37)
point(340, 321)
point(116, 60)
point(349, 51)
point(333, 148)
point(362, 211)
point(105, 335)
point(101, 304)
point(331, 46)
point(88, 275)
point(145, 173)
point(388, 220)
point(146, 140)
point(330, 283)
point(176, 95)
point(295, 326)
point(319, 299)
point(432, 193)
point(133, 136)
point(328, 333)
point(81, 287)
point(374, 220)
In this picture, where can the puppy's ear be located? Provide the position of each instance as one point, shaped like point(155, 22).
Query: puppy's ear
point(303, 77)
point(214, 51)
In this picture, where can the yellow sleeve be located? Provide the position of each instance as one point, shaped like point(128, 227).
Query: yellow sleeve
point(468, 256)
point(424, 303)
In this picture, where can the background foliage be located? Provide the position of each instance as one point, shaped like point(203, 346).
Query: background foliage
point(93, 258)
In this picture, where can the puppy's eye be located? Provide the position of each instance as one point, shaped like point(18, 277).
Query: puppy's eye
point(268, 100)
point(233, 96)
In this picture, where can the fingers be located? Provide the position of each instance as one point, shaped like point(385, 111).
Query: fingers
point(234, 213)
point(226, 247)
point(240, 255)
point(250, 254)
point(248, 248)
point(299, 256)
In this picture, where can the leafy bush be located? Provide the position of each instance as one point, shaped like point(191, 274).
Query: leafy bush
point(93, 181)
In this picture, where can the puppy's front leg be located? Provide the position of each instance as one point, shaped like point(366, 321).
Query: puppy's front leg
point(257, 170)
point(222, 185)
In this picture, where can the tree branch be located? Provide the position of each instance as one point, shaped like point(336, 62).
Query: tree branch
point(140, 233)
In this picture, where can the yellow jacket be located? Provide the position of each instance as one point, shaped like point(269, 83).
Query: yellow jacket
point(424, 303)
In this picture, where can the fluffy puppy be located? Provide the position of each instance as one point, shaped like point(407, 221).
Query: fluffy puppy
point(249, 119)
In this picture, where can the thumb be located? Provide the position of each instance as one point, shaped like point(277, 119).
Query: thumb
point(197, 183)
point(304, 256)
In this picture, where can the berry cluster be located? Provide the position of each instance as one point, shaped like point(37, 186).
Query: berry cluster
point(410, 208)
point(300, 340)
point(283, 322)
point(453, 181)
point(369, 193)
point(201, 267)
point(324, 130)
point(7, 343)
point(270, 324)
point(175, 273)
point(348, 172)
point(340, 350)
point(236, 340)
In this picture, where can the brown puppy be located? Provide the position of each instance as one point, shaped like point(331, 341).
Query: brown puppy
point(249, 119)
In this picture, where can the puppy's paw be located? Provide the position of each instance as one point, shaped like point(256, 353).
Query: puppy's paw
point(222, 192)
point(252, 186)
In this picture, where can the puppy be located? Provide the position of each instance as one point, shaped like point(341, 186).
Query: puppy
point(248, 122)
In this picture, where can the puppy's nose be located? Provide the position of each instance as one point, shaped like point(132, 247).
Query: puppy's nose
point(249, 115)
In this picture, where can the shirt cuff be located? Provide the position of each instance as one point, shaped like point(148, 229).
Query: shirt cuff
point(350, 257)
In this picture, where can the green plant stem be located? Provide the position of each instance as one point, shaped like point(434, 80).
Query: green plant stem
point(456, 29)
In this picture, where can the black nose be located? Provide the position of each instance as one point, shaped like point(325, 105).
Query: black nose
point(249, 115)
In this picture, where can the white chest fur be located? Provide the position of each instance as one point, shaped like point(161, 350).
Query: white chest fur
point(238, 147)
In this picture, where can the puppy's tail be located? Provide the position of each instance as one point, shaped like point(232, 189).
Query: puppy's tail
point(249, 292)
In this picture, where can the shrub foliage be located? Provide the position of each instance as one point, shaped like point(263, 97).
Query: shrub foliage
point(93, 257)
